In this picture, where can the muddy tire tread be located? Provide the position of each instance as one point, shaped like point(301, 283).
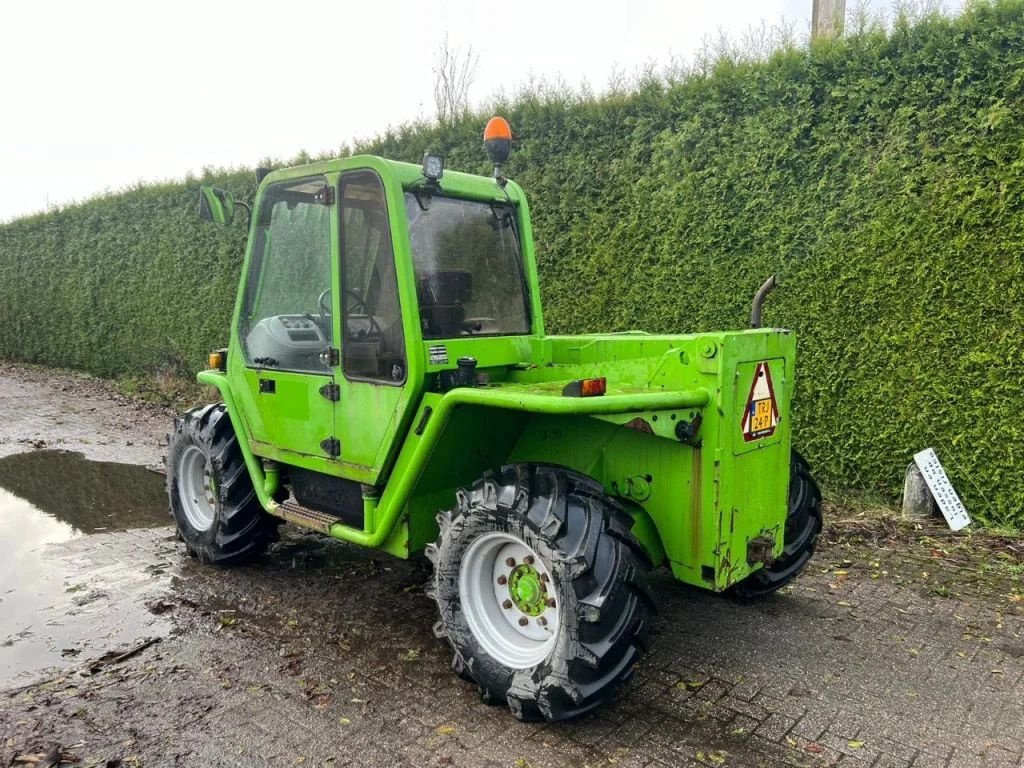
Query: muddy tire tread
point(603, 564)
point(241, 530)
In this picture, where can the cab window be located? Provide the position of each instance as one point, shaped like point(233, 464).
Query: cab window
point(373, 346)
point(286, 321)
point(470, 279)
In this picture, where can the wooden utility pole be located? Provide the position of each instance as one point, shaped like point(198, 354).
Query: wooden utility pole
point(827, 18)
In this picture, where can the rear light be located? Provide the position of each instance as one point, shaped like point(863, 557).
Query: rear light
point(586, 388)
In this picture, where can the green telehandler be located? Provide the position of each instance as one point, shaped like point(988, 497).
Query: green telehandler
point(388, 382)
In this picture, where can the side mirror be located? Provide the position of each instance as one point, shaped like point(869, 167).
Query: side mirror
point(216, 205)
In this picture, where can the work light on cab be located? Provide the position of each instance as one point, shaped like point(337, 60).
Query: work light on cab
point(433, 166)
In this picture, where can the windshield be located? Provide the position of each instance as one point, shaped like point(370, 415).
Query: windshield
point(469, 269)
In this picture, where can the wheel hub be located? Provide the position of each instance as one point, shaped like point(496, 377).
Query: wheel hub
point(197, 488)
point(528, 592)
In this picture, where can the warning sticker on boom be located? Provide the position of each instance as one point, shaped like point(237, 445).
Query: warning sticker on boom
point(761, 416)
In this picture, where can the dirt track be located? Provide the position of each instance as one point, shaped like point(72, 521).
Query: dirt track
point(899, 651)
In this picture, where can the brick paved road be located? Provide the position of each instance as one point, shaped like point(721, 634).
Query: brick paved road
point(323, 655)
point(881, 655)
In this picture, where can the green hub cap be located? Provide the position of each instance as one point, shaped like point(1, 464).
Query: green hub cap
point(526, 589)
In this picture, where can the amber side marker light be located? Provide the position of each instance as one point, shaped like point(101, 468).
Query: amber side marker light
point(217, 361)
point(586, 388)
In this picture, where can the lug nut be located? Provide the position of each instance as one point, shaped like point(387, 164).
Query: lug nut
point(550, 602)
point(507, 604)
point(544, 578)
point(523, 621)
point(510, 562)
point(502, 580)
point(528, 559)
point(542, 621)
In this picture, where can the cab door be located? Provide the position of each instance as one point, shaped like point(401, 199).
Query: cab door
point(286, 326)
point(374, 394)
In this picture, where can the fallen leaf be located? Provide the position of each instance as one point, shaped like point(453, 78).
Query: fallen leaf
point(854, 744)
point(814, 748)
point(446, 730)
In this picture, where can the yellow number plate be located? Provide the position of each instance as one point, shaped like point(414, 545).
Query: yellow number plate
point(762, 418)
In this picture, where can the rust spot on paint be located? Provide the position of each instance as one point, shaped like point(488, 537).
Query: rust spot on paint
point(639, 425)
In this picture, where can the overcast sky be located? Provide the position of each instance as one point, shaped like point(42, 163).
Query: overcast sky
point(101, 94)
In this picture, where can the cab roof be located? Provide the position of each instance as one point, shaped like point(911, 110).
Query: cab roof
point(407, 175)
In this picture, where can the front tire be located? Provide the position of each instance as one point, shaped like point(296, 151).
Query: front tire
point(541, 590)
point(211, 495)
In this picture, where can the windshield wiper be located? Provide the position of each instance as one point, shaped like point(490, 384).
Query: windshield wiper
point(503, 215)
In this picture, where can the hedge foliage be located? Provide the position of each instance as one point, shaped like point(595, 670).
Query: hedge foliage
point(881, 176)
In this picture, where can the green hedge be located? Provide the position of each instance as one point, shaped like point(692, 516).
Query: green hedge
point(881, 176)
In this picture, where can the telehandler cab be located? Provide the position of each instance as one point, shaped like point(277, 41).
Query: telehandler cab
point(388, 382)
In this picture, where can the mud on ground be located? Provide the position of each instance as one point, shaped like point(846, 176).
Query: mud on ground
point(899, 647)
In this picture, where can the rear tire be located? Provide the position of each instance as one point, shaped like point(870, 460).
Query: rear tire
point(803, 524)
point(211, 495)
point(542, 592)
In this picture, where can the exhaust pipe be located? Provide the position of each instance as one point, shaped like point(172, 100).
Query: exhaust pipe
point(759, 297)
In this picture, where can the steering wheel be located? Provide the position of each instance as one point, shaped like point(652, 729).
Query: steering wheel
point(323, 303)
point(358, 303)
point(359, 306)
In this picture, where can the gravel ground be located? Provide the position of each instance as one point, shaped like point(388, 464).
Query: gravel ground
point(899, 647)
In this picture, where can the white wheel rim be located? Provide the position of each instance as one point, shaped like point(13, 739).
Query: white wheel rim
point(196, 488)
point(509, 600)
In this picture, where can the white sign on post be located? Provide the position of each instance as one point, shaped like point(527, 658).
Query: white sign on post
point(942, 490)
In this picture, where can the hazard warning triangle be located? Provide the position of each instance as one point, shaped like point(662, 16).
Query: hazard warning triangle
point(761, 416)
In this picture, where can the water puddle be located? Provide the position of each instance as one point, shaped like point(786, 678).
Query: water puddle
point(59, 603)
point(86, 496)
